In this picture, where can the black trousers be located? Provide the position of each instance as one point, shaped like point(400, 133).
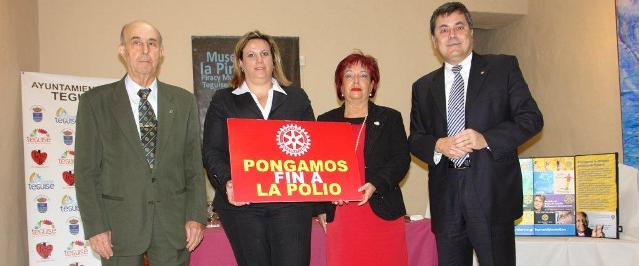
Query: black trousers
point(269, 234)
point(467, 228)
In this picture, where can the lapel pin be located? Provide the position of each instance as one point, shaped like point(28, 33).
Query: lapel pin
point(482, 72)
point(376, 123)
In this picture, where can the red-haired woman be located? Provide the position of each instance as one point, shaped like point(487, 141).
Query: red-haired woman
point(371, 231)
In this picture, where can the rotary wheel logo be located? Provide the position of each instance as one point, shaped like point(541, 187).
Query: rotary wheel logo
point(293, 140)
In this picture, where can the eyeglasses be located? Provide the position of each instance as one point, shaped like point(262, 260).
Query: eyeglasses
point(445, 30)
point(350, 76)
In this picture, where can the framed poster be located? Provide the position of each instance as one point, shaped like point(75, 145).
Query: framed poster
point(213, 65)
point(570, 195)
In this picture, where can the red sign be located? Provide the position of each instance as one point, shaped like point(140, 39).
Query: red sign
point(292, 161)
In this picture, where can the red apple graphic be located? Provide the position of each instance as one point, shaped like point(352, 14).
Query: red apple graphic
point(44, 249)
point(38, 156)
point(68, 177)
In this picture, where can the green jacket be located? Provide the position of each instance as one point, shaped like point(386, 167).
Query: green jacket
point(115, 187)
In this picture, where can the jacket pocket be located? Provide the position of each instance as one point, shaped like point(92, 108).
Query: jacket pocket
point(109, 197)
point(180, 192)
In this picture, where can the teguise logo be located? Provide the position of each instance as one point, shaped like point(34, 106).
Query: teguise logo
point(67, 136)
point(41, 203)
point(69, 178)
point(69, 204)
point(43, 228)
point(76, 249)
point(74, 225)
point(37, 113)
point(37, 182)
point(38, 136)
point(44, 249)
point(38, 156)
point(67, 157)
point(62, 117)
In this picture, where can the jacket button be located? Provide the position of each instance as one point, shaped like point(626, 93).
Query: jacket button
point(153, 180)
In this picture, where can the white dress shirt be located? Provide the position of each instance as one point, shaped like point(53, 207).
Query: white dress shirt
point(269, 102)
point(449, 77)
point(132, 89)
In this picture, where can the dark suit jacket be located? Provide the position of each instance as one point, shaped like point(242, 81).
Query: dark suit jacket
point(116, 188)
point(499, 106)
point(294, 105)
point(386, 158)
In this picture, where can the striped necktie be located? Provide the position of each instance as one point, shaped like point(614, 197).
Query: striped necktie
point(456, 108)
point(148, 126)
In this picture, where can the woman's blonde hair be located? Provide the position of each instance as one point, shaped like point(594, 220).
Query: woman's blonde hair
point(278, 70)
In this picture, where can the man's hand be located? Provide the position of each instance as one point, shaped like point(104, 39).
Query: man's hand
point(194, 234)
point(469, 138)
point(448, 148)
point(229, 195)
point(368, 190)
point(101, 243)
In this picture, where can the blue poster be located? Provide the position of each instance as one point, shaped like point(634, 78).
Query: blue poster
point(628, 42)
point(549, 197)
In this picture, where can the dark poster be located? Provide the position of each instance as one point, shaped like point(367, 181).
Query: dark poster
point(213, 65)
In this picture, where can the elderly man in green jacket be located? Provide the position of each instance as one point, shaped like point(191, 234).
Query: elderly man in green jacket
point(139, 175)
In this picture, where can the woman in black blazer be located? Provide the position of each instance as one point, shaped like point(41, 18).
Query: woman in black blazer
point(259, 233)
point(371, 231)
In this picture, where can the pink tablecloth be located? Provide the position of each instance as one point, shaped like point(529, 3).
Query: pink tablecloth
point(216, 250)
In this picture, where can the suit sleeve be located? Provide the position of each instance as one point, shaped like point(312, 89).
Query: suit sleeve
point(215, 148)
point(307, 114)
point(525, 118)
point(193, 171)
point(321, 207)
point(87, 167)
point(397, 160)
point(422, 139)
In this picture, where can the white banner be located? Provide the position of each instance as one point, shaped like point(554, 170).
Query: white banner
point(54, 227)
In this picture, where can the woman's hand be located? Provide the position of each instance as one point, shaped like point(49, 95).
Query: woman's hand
point(368, 190)
point(229, 195)
point(340, 202)
point(598, 231)
point(321, 219)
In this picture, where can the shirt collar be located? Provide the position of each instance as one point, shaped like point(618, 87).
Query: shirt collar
point(244, 88)
point(464, 63)
point(132, 87)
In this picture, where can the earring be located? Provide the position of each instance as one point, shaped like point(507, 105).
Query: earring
point(342, 95)
point(370, 94)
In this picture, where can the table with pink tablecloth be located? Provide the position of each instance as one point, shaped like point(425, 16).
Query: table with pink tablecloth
point(216, 250)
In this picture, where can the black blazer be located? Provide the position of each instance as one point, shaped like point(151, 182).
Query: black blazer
point(501, 108)
point(294, 105)
point(386, 158)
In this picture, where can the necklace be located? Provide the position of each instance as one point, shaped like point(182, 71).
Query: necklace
point(359, 134)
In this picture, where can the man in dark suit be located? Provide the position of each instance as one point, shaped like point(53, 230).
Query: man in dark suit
point(139, 175)
point(467, 120)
